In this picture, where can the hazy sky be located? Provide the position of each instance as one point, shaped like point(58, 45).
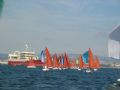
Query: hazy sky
point(61, 25)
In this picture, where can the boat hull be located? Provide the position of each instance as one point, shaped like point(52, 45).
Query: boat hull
point(25, 63)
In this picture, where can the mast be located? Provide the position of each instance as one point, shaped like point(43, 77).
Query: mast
point(26, 47)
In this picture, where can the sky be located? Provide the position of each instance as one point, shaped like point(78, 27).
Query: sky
point(70, 26)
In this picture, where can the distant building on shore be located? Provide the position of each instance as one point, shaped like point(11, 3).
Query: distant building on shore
point(114, 43)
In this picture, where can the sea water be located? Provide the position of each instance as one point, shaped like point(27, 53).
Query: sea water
point(22, 78)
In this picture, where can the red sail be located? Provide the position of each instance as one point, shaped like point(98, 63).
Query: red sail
point(55, 61)
point(91, 59)
point(93, 63)
point(48, 58)
point(97, 62)
point(66, 61)
point(81, 63)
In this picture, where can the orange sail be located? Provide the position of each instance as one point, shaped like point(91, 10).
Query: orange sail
point(81, 63)
point(91, 59)
point(97, 62)
point(66, 61)
point(55, 61)
point(93, 62)
point(48, 62)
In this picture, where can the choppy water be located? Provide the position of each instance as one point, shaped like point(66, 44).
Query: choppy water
point(22, 78)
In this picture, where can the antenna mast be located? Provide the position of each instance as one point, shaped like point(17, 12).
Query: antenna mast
point(26, 47)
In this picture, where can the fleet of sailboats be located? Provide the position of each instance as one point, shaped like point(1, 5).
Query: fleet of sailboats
point(86, 61)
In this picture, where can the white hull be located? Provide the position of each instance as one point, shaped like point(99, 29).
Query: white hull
point(78, 69)
point(95, 69)
point(118, 80)
point(55, 68)
point(45, 68)
point(88, 71)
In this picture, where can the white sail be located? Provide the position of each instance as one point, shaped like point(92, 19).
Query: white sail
point(114, 49)
point(114, 44)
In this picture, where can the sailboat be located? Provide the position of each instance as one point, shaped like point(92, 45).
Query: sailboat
point(96, 63)
point(55, 62)
point(86, 60)
point(81, 63)
point(90, 61)
point(43, 57)
point(66, 61)
point(48, 62)
point(61, 61)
